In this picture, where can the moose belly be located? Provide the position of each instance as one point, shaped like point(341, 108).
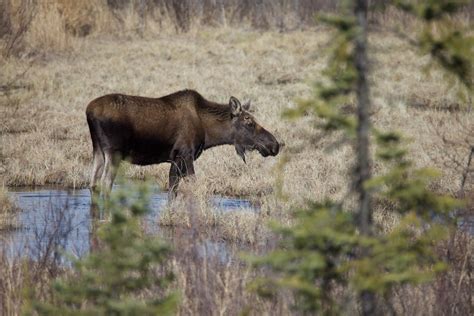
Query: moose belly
point(149, 152)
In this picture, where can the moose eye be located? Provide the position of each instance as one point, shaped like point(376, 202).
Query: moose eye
point(248, 121)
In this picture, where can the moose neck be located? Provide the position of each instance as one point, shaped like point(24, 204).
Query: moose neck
point(217, 122)
point(218, 132)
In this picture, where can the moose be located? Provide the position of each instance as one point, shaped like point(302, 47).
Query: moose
point(175, 128)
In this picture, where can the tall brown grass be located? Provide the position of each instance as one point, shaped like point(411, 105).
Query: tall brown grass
point(45, 138)
point(29, 264)
point(59, 55)
point(8, 210)
point(53, 25)
point(212, 278)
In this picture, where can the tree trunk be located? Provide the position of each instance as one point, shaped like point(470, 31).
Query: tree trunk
point(362, 171)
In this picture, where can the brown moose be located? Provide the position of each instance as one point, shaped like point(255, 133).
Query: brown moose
point(175, 128)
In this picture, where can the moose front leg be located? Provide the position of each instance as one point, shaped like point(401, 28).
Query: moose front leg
point(180, 168)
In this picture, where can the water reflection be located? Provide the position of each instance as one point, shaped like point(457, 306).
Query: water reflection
point(56, 222)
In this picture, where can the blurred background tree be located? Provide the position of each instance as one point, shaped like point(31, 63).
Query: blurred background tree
point(336, 245)
point(120, 276)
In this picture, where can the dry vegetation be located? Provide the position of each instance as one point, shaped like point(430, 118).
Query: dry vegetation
point(45, 138)
point(8, 210)
point(56, 56)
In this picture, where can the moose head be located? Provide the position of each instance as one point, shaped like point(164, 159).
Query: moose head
point(248, 134)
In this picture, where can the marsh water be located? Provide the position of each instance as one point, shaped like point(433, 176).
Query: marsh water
point(60, 221)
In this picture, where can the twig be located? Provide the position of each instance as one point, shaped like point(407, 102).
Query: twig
point(466, 171)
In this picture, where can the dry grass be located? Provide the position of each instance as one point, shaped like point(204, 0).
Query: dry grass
point(45, 137)
point(212, 280)
point(8, 211)
point(451, 293)
point(194, 211)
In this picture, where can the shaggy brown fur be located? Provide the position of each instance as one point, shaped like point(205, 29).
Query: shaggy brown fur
point(175, 128)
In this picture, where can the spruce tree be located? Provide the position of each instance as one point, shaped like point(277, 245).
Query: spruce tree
point(114, 279)
point(330, 246)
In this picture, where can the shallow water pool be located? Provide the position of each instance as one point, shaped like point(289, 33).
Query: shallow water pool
point(59, 220)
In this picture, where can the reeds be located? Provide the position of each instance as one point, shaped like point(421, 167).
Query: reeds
point(211, 275)
point(8, 211)
point(32, 26)
point(59, 55)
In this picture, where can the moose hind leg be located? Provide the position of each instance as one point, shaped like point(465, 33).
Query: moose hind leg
point(96, 172)
point(97, 169)
point(111, 164)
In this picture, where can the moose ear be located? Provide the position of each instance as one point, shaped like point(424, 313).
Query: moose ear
point(246, 106)
point(235, 106)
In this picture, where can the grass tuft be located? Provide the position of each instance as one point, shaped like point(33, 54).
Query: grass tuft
point(8, 211)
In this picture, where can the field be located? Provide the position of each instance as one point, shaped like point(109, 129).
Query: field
point(45, 139)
